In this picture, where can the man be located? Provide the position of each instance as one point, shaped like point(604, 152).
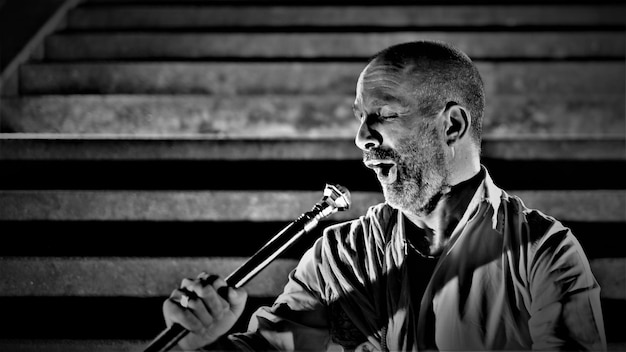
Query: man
point(448, 262)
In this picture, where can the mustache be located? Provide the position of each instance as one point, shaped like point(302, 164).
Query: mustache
point(379, 153)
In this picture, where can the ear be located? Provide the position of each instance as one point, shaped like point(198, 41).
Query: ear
point(456, 121)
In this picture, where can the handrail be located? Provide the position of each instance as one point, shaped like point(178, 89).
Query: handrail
point(44, 18)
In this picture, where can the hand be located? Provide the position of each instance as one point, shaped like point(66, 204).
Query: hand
point(212, 309)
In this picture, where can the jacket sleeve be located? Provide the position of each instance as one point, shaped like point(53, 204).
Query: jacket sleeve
point(297, 321)
point(565, 312)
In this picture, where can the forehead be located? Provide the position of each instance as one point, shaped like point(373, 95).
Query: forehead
point(382, 83)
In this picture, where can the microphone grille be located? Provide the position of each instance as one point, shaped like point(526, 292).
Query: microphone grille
point(338, 196)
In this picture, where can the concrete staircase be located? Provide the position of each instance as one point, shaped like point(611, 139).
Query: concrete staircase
point(147, 141)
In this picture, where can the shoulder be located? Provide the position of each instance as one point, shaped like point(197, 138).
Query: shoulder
point(542, 236)
point(530, 224)
point(342, 239)
point(370, 227)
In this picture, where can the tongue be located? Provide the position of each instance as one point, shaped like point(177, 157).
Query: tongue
point(387, 173)
point(385, 168)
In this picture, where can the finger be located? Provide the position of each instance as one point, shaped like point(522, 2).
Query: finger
point(201, 281)
point(180, 292)
point(188, 284)
point(176, 293)
point(174, 313)
point(222, 290)
point(215, 305)
point(207, 279)
point(214, 302)
point(197, 308)
point(218, 282)
point(192, 289)
point(221, 287)
point(237, 300)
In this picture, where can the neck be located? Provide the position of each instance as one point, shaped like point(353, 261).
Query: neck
point(438, 225)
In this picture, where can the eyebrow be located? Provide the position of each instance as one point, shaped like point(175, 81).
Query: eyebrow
point(386, 100)
point(389, 99)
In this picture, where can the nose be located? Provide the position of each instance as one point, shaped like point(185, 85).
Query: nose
point(366, 137)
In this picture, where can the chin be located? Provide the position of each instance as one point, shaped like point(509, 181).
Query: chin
point(420, 201)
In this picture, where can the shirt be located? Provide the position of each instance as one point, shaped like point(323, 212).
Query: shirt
point(511, 278)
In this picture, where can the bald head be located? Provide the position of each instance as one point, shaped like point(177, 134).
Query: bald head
point(436, 74)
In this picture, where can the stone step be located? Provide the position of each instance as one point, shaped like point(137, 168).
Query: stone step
point(107, 296)
point(152, 239)
point(223, 78)
point(211, 15)
point(128, 324)
point(323, 115)
point(19, 146)
point(138, 205)
point(119, 163)
point(346, 46)
point(112, 205)
point(296, 175)
point(124, 325)
point(69, 345)
point(60, 345)
point(157, 277)
point(89, 321)
point(127, 277)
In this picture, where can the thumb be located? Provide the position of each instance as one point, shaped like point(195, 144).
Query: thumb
point(237, 299)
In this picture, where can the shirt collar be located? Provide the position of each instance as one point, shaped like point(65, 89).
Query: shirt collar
point(487, 193)
point(486, 198)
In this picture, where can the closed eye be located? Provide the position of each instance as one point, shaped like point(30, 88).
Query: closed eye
point(388, 116)
point(387, 113)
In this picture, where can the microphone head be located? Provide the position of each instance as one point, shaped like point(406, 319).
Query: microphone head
point(337, 196)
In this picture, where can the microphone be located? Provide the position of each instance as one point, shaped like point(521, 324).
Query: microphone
point(335, 198)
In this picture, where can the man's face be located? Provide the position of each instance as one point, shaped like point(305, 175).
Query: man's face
point(405, 149)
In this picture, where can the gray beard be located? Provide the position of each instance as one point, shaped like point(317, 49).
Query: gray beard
point(422, 175)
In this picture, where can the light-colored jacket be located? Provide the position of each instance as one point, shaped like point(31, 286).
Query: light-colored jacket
point(511, 278)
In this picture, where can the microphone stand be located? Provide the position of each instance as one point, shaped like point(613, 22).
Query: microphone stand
point(336, 198)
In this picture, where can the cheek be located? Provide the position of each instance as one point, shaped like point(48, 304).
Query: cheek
point(424, 137)
point(399, 136)
point(433, 138)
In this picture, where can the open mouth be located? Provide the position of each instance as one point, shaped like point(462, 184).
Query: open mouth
point(386, 170)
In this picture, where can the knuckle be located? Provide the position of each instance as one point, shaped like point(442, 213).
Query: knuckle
point(186, 282)
point(167, 305)
point(191, 288)
point(172, 311)
point(184, 292)
point(191, 304)
point(218, 282)
point(209, 280)
point(206, 292)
